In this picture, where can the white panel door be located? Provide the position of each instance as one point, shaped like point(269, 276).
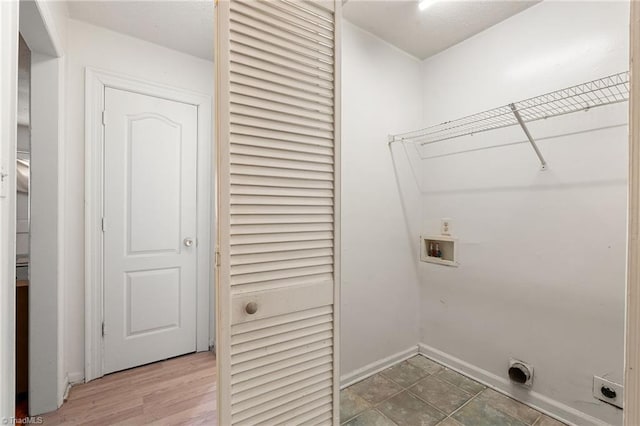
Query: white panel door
point(278, 222)
point(149, 229)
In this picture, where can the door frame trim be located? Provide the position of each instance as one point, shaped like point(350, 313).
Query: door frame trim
point(337, 219)
point(8, 128)
point(96, 81)
point(631, 411)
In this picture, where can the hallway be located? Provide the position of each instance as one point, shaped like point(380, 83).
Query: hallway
point(178, 391)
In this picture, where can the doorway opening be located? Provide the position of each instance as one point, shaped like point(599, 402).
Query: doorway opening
point(23, 159)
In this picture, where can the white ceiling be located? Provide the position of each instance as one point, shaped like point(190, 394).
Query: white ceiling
point(183, 25)
point(187, 25)
point(425, 33)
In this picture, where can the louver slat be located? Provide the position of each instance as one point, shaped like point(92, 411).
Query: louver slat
point(275, 330)
point(295, 112)
point(247, 381)
point(254, 88)
point(267, 9)
point(237, 129)
point(290, 357)
point(280, 79)
point(284, 43)
point(286, 118)
point(307, 10)
point(292, 152)
point(278, 29)
point(282, 192)
point(250, 259)
point(261, 394)
point(284, 265)
point(272, 219)
point(320, 397)
point(243, 47)
point(251, 408)
point(247, 327)
point(280, 238)
point(278, 126)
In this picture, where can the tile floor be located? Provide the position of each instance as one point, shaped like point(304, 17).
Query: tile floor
point(420, 392)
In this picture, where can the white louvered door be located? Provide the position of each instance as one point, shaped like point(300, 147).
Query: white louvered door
point(277, 79)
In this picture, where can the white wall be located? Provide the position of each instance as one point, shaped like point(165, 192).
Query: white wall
point(8, 136)
point(42, 24)
point(59, 13)
point(24, 145)
point(380, 94)
point(91, 46)
point(45, 345)
point(542, 254)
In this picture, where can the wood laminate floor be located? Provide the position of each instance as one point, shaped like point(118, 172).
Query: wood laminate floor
point(178, 391)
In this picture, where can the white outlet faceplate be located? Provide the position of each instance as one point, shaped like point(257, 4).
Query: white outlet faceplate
point(445, 226)
point(601, 386)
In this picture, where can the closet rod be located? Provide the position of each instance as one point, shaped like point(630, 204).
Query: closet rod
point(582, 97)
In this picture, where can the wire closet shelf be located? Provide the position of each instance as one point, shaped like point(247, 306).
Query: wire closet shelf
point(603, 91)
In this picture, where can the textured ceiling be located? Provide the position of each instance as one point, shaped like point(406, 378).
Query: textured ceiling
point(184, 25)
point(187, 25)
point(424, 33)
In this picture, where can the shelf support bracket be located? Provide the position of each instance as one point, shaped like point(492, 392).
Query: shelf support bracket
point(516, 113)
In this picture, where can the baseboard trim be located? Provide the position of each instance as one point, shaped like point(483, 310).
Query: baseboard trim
point(546, 405)
point(64, 390)
point(377, 366)
point(70, 380)
point(76, 378)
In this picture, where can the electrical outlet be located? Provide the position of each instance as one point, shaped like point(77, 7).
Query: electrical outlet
point(445, 226)
point(608, 391)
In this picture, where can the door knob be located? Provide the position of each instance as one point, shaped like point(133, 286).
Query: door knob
point(251, 308)
point(188, 242)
